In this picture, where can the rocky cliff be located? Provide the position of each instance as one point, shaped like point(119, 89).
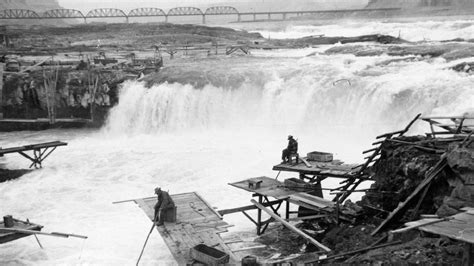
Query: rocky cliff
point(35, 5)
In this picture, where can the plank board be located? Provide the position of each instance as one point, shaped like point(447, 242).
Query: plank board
point(196, 223)
point(460, 227)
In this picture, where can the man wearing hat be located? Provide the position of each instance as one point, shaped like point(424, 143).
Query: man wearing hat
point(164, 203)
point(291, 149)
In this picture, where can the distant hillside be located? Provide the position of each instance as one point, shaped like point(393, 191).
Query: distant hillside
point(36, 5)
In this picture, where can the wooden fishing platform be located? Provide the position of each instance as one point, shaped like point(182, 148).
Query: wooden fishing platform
point(40, 151)
point(196, 223)
point(334, 168)
point(265, 187)
point(6, 237)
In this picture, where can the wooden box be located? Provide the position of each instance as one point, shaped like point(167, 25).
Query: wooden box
point(320, 156)
point(255, 184)
point(209, 255)
point(170, 215)
point(296, 184)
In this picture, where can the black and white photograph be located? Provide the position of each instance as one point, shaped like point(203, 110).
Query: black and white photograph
point(236, 132)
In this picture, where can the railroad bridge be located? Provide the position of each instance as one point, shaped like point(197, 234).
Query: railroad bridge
point(173, 12)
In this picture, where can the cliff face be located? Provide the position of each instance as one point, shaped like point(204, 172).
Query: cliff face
point(34, 5)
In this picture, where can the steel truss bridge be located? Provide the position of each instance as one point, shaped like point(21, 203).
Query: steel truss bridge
point(174, 12)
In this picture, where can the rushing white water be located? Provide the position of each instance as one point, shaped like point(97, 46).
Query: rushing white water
point(184, 138)
point(426, 30)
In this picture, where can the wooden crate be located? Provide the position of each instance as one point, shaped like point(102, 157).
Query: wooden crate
point(320, 156)
point(209, 255)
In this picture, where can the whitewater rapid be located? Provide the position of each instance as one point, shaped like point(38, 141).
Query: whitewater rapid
point(413, 30)
point(188, 137)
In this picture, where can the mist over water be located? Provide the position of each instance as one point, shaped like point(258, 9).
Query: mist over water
point(187, 137)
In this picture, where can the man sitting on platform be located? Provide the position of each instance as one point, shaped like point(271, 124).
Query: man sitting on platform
point(291, 149)
point(165, 203)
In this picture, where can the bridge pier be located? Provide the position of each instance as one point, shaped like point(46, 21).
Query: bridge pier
point(166, 19)
point(269, 16)
point(254, 17)
point(203, 19)
point(284, 16)
point(239, 17)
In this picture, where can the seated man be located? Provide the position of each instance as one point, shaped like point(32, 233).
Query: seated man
point(291, 149)
point(165, 202)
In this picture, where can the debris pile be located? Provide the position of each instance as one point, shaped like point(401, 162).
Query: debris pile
point(421, 182)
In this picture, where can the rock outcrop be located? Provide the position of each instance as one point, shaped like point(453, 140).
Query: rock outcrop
point(461, 162)
point(402, 167)
point(38, 6)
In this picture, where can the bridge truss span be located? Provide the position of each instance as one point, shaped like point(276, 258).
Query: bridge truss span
point(107, 13)
point(221, 10)
point(63, 13)
point(18, 14)
point(147, 12)
point(185, 11)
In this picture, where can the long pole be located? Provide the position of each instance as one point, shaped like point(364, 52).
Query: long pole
point(1, 90)
point(33, 232)
point(147, 237)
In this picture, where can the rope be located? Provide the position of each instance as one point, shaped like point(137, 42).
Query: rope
point(82, 249)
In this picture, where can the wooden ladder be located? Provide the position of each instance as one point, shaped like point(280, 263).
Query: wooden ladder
point(353, 183)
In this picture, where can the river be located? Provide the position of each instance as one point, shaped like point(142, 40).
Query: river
point(186, 138)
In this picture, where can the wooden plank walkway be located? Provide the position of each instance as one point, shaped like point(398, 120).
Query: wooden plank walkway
point(196, 223)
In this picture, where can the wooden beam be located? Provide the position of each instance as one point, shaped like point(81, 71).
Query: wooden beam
point(307, 217)
point(405, 229)
point(447, 117)
point(246, 208)
point(468, 254)
point(33, 232)
point(1, 90)
point(291, 227)
point(342, 255)
point(429, 177)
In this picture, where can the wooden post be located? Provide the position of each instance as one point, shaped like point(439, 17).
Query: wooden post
point(1, 90)
point(468, 254)
point(287, 215)
point(291, 227)
point(259, 216)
